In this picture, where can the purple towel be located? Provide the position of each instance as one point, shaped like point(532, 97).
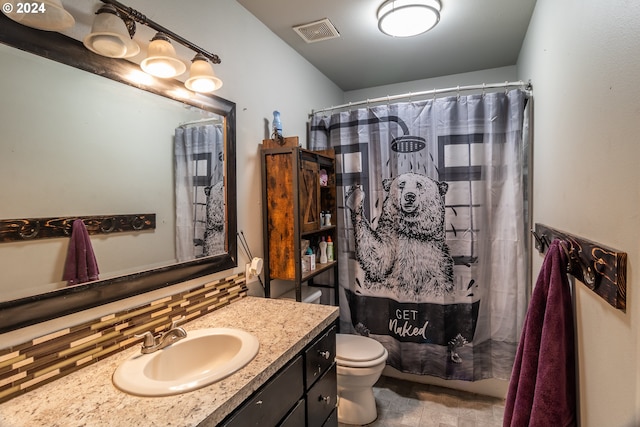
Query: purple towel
point(81, 265)
point(542, 391)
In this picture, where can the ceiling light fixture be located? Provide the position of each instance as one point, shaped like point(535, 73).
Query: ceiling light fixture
point(48, 15)
point(110, 36)
point(406, 18)
point(161, 60)
point(201, 77)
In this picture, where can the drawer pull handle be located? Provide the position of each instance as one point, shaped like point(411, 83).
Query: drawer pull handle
point(325, 354)
point(326, 399)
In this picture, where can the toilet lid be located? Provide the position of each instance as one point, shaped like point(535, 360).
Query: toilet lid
point(356, 348)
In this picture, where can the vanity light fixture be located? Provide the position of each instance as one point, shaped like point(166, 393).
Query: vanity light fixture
point(406, 18)
point(110, 36)
point(201, 77)
point(161, 60)
point(48, 15)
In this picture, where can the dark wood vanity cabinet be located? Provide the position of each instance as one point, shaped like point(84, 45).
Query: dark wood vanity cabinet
point(303, 393)
point(298, 192)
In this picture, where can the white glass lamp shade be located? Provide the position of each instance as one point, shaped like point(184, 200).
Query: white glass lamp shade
point(406, 18)
point(48, 15)
point(109, 36)
point(201, 77)
point(161, 60)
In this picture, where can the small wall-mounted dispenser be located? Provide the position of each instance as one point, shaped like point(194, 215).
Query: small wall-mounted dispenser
point(253, 269)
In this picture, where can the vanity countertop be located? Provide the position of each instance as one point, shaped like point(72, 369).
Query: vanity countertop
point(87, 397)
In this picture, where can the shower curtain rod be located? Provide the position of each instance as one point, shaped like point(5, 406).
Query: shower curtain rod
point(201, 121)
point(434, 92)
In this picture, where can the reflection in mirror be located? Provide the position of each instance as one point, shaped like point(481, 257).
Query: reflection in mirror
point(77, 144)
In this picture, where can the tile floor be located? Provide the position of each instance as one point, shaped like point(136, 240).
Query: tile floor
point(406, 404)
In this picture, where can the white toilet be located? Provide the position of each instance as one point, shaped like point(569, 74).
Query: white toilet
point(359, 361)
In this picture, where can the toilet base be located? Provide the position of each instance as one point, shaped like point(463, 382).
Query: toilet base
point(356, 406)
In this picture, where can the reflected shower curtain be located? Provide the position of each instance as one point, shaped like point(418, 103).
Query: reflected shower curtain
point(199, 175)
point(432, 230)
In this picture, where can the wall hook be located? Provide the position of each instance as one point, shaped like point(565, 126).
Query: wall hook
point(30, 230)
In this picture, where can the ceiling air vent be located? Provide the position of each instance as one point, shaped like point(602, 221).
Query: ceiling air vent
point(317, 31)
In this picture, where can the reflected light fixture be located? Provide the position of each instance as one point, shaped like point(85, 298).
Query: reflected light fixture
point(110, 36)
point(406, 18)
point(201, 77)
point(161, 60)
point(48, 15)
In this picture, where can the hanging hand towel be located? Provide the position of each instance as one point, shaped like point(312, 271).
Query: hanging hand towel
point(542, 388)
point(81, 265)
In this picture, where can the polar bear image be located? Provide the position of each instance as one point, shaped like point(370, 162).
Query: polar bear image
point(214, 231)
point(406, 254)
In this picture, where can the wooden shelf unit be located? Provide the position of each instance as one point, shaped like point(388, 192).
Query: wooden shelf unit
point(293, 202)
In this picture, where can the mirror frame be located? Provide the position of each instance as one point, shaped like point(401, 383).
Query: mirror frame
point(38, 308)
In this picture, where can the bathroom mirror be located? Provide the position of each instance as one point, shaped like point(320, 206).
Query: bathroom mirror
point(129, 171)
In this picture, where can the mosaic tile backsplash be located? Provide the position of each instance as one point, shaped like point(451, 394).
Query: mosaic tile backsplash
point(44, 359)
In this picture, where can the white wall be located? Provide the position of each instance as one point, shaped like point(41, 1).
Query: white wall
point(261, 74)
point(584, 60)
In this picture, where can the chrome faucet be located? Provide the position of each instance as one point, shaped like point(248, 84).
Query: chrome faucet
point(154, 343)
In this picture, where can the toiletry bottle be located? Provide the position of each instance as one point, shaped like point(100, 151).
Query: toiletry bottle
point(329, 249)
point(312, 259)
point(277, 125)
point(327, 218)
point(323, 251)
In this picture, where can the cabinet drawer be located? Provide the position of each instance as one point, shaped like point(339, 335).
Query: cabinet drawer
point(269, 405)
point(320, 356)
point(296, 417)
point(322, 398)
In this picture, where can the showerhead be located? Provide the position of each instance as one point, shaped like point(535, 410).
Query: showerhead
point(408, 144)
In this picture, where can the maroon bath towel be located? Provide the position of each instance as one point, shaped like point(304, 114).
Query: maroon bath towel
point(81, 265)
point(542, 391)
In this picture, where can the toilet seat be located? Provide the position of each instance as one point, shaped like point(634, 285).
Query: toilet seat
point(355, 351)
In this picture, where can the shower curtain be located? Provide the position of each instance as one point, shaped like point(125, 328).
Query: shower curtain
point(199, 177)
point(432, 229)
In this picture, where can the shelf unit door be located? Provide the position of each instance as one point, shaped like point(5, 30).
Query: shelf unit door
point(309, 195)
point(280, 179)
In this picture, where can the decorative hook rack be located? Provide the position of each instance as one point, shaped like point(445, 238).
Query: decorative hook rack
point(601, 268)
point(15, 230)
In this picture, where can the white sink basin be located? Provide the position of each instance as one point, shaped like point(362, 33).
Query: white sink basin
point(202, 358)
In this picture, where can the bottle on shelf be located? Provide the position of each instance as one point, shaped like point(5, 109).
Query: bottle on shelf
point(323, 251)
point(329, 249)
point(327, 218)
point(312, 259)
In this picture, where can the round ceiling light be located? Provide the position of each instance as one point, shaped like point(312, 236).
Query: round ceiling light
point(406, 18)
